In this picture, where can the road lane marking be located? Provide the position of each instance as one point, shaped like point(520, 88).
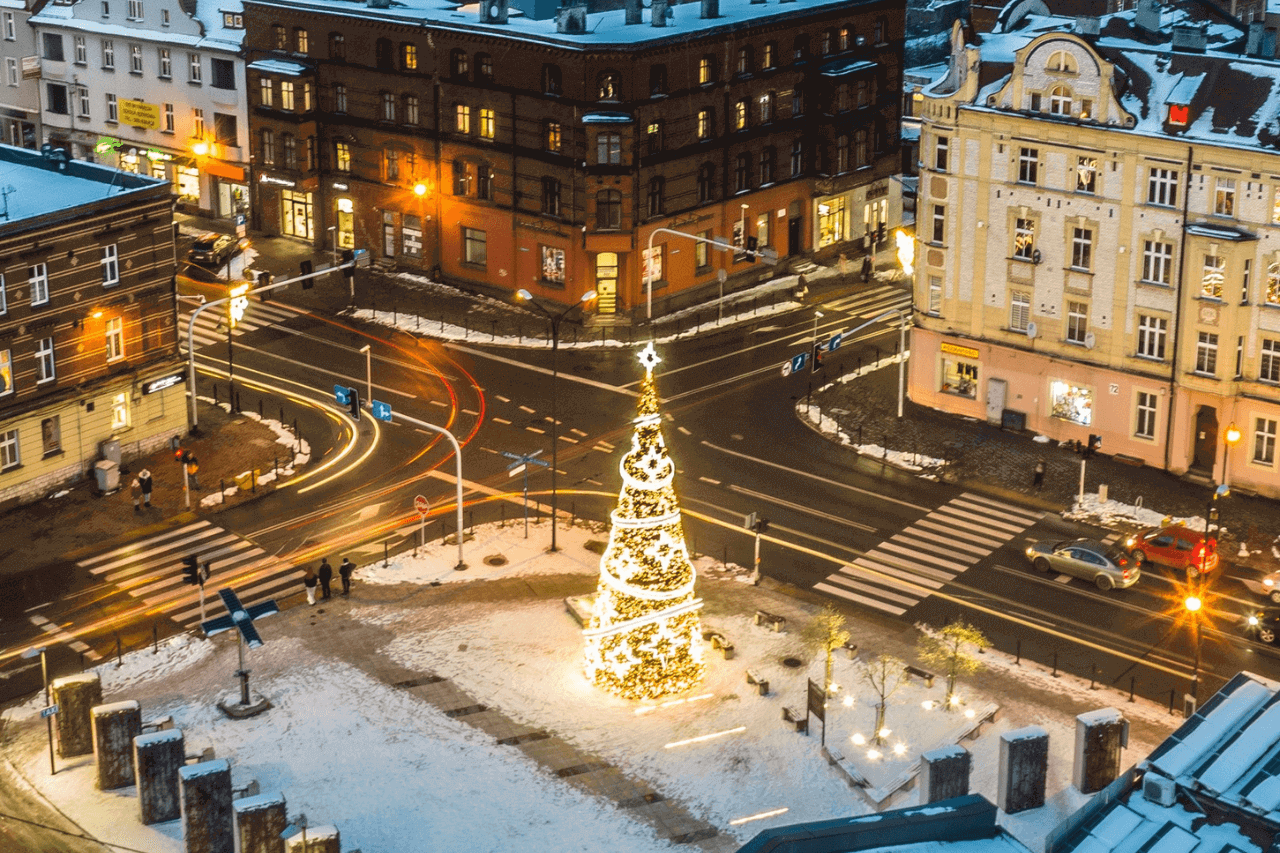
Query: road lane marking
point(709, 480)
point(527, 409)
point(683, 431)
point(578, 432)
point(800, 508)
point(501, 421)
point(63, 637)
point(502, 398)
point(535, 429)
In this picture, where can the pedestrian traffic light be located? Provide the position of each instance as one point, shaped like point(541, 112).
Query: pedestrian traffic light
point(205, 570)
point(354, 396)
point(179, 455)
point(753, 244)
point(817, 357)
point(880, 235)
point(264, 281)
point(348, 262)
point(191, 570)
point(306, 267)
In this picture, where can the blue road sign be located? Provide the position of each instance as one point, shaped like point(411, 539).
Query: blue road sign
point(381, 411)
point(48, 712)
point(342, 394)
point(834, 343)
point(799, 361)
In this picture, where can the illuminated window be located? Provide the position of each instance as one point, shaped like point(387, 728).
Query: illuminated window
point(120, 411)
point(462, 118)
point(1086, 174)
point(1215, 267)
point(740, 115)
point(115, 338)
point(705, 121)
point(266, 92)
point(1072, 403)
point(342, 156)
point(766, 104)
point(553, 136)
point(409, 56)
point(1024, 238)
point(286, 95)
point(488, 123)
point(608, 86)
point(707, 69)
point(301, 43)
point(1224, 197)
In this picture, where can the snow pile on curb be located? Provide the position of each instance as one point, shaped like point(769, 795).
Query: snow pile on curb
point(300, 448)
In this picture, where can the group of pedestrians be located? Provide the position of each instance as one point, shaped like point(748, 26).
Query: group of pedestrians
point(140, 489)
point(324, 577)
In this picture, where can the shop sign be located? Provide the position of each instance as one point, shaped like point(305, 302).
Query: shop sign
point(877, 190)
point(140, 114)
point(340, 187)
point(278, 182)
point(162, 383)
point(956, 349)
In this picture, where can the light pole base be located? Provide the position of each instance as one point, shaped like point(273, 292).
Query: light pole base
point(232, 707)
point(461, 567)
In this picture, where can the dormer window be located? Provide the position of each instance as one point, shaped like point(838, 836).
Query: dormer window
point(1062, 62)
point(1179, 114)
point(1060, 101)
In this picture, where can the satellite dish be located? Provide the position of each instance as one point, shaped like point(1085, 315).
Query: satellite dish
point(1035, 256)
point(1089, 340)
point(1032, 330)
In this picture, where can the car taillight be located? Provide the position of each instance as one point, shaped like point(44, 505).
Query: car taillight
point(1124, 575)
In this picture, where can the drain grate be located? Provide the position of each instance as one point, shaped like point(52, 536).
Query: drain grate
point(495, 560)
point(695, 836)
point(792, 663)
point(527, 737)
point(467, 711)
point(418, 682)
point(579, 769)
point(646, 799)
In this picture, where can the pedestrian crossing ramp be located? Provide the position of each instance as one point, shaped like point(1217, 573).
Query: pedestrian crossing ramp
point(211, 324)
point(905, 569)
point(151, 569)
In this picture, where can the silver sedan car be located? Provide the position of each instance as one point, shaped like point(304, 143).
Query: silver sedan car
point(1087, 559)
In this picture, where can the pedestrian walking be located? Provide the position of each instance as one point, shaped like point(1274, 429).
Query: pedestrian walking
point(309, 580)
point(135, 489)
point(326, 575)
point(193, 468)
point(144, 482)
point(867, 266)
point(344, 572)
point(1038, 479)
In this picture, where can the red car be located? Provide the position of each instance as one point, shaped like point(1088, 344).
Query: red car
point(1175, 546)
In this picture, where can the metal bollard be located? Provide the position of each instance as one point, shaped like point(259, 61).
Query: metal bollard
point(253, 480)
point(119, 653)
point(1093, 676)
point(275, 466)
point(724, 558)
point(1132, 681)
point(386, 559)
point(282, 415)
point(493, 330)
point(155, 638)
point(215, 393)
point(1017, 660)
point(1055, 664)
point(1172, 691)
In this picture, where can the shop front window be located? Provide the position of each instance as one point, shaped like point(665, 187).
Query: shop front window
point(553, 265)
point(411, 230)
point(960, 377)
point(295, 208)
point(1072, 403)
point(346, 224)
point(832, 225)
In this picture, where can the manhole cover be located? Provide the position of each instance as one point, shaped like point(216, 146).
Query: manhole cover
point(792, 663)
point(495, 560)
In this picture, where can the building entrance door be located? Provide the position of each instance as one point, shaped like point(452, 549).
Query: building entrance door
point(607, 283)
point(388, 240)
point(793, 236)
point(346, 226)
point(997, 394)
point(1206, 440)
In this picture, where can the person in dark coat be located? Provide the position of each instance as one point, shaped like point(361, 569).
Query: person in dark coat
point(344, 572)
point(309, 580)
point(867, 267)
point(144, 480)
point(326, 576)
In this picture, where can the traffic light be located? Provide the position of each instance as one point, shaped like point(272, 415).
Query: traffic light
point(191, 570)
point(179, 455)
point(205, 571)
point(264, 280)
point(348, 260)
point(753, 244)
point(354, 397)
point(880, 235)
point(306, 267)
point(817, 357)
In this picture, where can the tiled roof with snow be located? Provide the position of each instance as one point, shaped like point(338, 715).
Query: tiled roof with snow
point(31, 186)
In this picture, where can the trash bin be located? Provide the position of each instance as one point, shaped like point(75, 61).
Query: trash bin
point(108, 476)
point(110, 449)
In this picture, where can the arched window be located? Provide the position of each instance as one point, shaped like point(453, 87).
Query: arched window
point(707, 69)
point(484, 67)
point(385, 53)
point(657, 79)
point(609, 85)
point(551, 84)
point(388, 106)
point(745, 60)
point(1062, 62)
point(280, 37)
point(459, 64)
point(828, 41)
point(337, 46)
point(706, 182)
point(551, 135)
point(301, 43)
point(608, 209)
point(410, 103)
point(801, 51)
point(1060, 101)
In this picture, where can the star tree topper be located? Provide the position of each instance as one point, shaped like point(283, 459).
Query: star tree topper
point(649, 358)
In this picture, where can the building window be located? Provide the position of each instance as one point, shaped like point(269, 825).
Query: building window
point(1082, 248)
point(4, 300)
point(1269, 367)
point(337, 46)
point(707, 69)
point(120, 412)
point(223, 72)
point(1244, 281)
point(230, 20)
point(391, 164)
point(800, 48)
point(1060, 101)
point(797, 103)
point(1264, 441)
point(1024, 238)
point(135, 59)
point(1028, 165)
point(266, 92)
point(828, 38)
point(45, 371)
point(1019, 311)
point(797, 158)
point(657, 79)
point(1224, 197)
point(652, 138)
point(475, 250)
point(410, 109)
point(225, 130)
point(1157, 261)
point(115, 338)
point(166, 63)
point(342, 156)
point(286, 95)
point(10, 27)
point(744, 60)
point(6, 372)
point(551, 82)
point(706, 182)
point(702, 251)
point(552, 130)
point(113, 108)
point(110, 265)
point(1207, 354)
point(608, 209)
point(935, 295)
point(193, 67)
point(609, 148)
point(10, 454)
point(1152, 332)
point(197, 123)
point(301, 42)
point(38, 282)
point(1086, 174)
point(941, 153)
point(769, 56)
point(766, 104)
point(550, 196)
point(484, 181)
point(939, 224)
point(960, 377)
point(409, 56)
point(339, 98)
point(488, 123)
point(1145, 422)
point(388, 106)
point(108, 54)
point(459, 63)
point(842, 98)
point(53, 47)
point(1072, 403)
point(1162, 187)
point(462, 118)
point(289, 144)
point(461, 179)
point(740, 115)
point(553, 265)
point(842, 154)
point(705, 121)
point(280, 38)
point(268, 147)
point(768, 158)
point(607, 86)
point(1215, 267)
point(78, 45)
point(82, 93)
point(656, 200)
point(1077, 322)
point(832, 221)
point(11, 71)
point(742, 173)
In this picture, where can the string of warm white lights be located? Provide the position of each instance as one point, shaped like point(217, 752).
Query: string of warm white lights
point(643, 640)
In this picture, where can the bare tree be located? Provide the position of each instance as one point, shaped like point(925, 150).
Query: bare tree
point(951, 650)
point(885, 675)
point(826, 632)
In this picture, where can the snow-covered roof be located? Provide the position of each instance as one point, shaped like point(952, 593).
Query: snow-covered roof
point(205, 29)
point(32, 185)
point(602, 28)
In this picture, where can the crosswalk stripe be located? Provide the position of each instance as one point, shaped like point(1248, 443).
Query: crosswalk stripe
point(916, 554)
point(862, 297)
point(1031, 515)
point(179, 590)
point(151, 540)
point(897, 303)
point(885, 568)
point(919, 534)
point(861, 584)
point(126, 574)
point(220, 561)
point(980, 520)
point(861, 599)
point(913, 569)
point(125, 566)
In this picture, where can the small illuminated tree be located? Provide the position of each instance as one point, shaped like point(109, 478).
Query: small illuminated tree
point(826, 632)
point(951, 650)
point(885, 675)
point(643, 639)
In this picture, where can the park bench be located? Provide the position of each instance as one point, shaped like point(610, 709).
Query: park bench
point(850, 650)
point(719, 643)
point(798, 720)
point(753, 677)
point(922, 674)
point(770, 620)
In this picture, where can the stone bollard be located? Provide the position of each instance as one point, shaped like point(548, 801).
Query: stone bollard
point(206, 807)
point(260, 822)
point(944, 773)
point(75, 695)
point(1024, 764)
point(115, 725)
point(320, 839)
point(1100, 736)
point(157, 757)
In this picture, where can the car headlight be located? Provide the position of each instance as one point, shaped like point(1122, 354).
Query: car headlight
point(1253, 621)
point(1268, 582)
point(1130, 542)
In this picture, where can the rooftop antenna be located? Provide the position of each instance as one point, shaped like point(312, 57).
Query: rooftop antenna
point(5, 191)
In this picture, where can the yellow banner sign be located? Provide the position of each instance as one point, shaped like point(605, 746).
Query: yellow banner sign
point(140, 114)
point(956, 349)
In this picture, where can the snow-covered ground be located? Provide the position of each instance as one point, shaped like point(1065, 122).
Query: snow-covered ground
point(390, 770)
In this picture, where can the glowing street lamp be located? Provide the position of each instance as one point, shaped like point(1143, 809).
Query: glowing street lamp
point(420, 189)
point(1229, 439)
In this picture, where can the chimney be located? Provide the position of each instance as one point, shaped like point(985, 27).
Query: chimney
point(493, 11)
point(757, 2)
point(1086, 26)
point(1189, 39)
point(1253, 46)
point(710, 8)
point(1147, 16)
point(572, 19)
point(634, 12)
point(658, 17)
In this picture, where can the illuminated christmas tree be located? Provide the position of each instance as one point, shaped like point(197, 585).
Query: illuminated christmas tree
point(643, 640)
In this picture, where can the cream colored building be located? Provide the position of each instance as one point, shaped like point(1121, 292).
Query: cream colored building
point(1099, 217)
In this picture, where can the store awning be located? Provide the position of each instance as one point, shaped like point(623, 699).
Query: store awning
point(224, 170)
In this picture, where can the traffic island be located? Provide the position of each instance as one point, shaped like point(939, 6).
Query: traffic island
point(236, 710)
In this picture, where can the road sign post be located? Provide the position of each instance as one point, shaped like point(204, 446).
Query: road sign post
point(521, 466)
point(423, 506)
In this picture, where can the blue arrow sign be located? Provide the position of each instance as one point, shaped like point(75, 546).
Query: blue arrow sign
point(381, 411)
point(798, 362)
point(834, 343)
point(342, 395)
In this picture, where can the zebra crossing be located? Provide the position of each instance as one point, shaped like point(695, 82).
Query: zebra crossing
point(151, 569)
point(866, 304)
point(211, 325)
point(899, 572)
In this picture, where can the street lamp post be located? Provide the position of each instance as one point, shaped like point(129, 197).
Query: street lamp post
point(44, 672)
point(1193, 604)
point(555, 423)
point(1229, 439)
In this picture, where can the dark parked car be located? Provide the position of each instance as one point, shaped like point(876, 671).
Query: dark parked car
point(1263, 625)
point(213, 249)
point(1174, 546)
point(1087, 559)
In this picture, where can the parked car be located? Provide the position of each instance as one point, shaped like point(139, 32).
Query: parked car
point(1271, 587)
point(1087, 559)
point(1174, 546)
point(213, 249)
point(1263, 625)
